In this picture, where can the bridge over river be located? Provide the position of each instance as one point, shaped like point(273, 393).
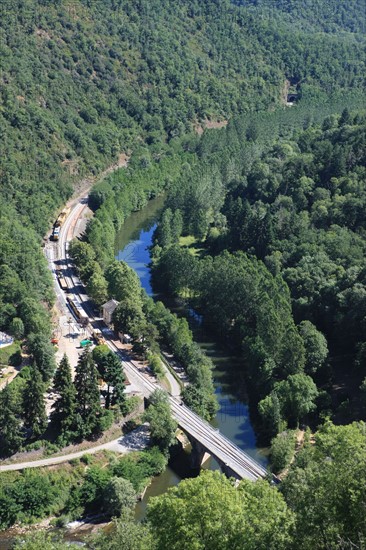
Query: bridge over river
point(203, 437)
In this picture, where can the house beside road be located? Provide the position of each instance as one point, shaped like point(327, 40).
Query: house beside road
point(108, 310)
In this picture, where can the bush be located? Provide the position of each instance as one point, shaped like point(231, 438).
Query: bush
point(51, 448)
point(156, 366)
point(132, 403)
point(87, 459)
point(60, 522)
point(37, 445)
point(282, 450)
point(118, 494)
point(15, 360)
point(105, 421)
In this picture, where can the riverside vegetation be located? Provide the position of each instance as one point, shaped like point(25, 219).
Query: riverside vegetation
point(276, 261)
point(319, 505)
point(81, 83)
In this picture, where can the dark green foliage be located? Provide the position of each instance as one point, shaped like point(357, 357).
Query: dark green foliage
point(129, 318)
point(29, 495)
point(155, 365)
point(126, 534)
point(162, 424)
point(88, 407)
point(118, 494)
point(64, 408)
point(330, 16)
point(209, 512)
point(138, 468)
point(11, 435)
point(114, 377)
point(16, 328)
point(43, 354)
point(176, 335)
point(325, 488)
point(34, 410)
point(294, 200)
point(123, 283)
point(282, 450)
point(297, 396)
point(100, 355)
point(91, 491)
point(316, 349)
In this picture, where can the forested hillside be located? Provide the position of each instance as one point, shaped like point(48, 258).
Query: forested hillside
point(84, 81)
point(264, 233)
point(329, 16)
point(278, 260)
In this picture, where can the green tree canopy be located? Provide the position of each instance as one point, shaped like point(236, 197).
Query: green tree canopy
point(209, 512)
point(64, 407)
point(162, 424)
point(88, 407)
point(34, 409)
point(118, 495)
point(10, 423)
point(326, 488)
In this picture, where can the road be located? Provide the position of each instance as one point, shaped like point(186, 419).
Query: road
point(133, 441)
point(220, 447)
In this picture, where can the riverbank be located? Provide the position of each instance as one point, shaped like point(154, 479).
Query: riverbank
point(232, 419)
point(56, 495)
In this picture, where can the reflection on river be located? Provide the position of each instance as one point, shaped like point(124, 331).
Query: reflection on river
point(233, 416)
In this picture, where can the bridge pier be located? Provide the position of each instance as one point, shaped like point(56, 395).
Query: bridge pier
point(197, 454)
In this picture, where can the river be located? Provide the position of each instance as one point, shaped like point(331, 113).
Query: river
point(232, 419)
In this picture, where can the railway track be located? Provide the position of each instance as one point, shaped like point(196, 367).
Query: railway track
point(219, 446)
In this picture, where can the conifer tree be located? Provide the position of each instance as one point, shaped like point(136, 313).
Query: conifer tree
point(87, 394)
point(35, 417)
point(65, 405)
point(10, 424)
point(114, 377)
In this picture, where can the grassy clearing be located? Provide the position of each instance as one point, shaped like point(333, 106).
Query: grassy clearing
point(192, 243)
point(6, 353)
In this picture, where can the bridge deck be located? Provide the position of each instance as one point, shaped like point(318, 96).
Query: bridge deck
point(219, 446)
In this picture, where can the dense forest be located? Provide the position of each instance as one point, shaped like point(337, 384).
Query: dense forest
point(276, 261)
point(329, 16)
point(263, 232)
point(84, 81)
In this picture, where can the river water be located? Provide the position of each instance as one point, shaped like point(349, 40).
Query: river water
point(232, 418)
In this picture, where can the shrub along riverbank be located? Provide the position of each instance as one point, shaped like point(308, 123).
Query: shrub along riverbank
point(277, 267)
point(103, 483)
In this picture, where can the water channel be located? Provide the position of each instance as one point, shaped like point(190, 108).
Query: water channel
point(232, 418)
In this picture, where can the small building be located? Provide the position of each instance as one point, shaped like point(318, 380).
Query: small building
point(107, 311)
point(125, 338)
